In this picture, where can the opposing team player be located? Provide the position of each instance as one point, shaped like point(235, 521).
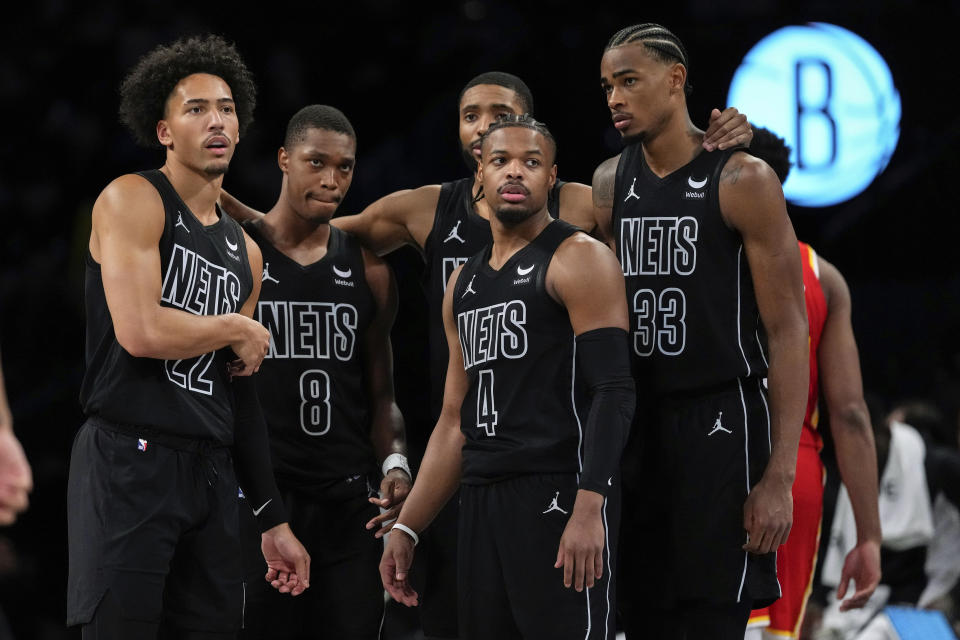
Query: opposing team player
point(448, 223)
point(533, 322)
point(713, 279)
point(326, 386)
point(834, 368)
point(171, 343)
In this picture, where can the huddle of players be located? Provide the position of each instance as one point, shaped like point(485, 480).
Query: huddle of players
point(542, 349)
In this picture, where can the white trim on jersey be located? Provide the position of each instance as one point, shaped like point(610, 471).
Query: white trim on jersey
point(606, 549)
point(766, 408)
point(760, 345)
point(739, 341)
point(816, 262)
point(586, 592)
point(573, 405)
point(746, 459)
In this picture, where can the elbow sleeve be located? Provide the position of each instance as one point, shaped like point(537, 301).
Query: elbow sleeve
point(604, 362)
point(251, 450)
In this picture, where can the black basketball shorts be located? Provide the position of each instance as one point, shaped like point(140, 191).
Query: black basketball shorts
point(435, 576)
point(345, 598)
point(156, 526)
point(508, 587)
point(695, 459)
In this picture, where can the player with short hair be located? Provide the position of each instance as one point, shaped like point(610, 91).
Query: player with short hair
point(534, 322)
point(834, 369)
point(170, 291)
point(326, 386)
point(714, 289)
point(448, 223)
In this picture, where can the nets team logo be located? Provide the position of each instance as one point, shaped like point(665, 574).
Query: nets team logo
point(831, 96)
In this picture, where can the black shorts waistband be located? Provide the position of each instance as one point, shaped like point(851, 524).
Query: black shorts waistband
point(727, 386)
point(151, 435)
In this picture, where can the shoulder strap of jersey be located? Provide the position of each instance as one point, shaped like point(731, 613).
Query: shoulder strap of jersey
point(448, 191)
point(627, 159)
point(469, 269)
point(810, 257)
point(553, 236)
point(168, 195)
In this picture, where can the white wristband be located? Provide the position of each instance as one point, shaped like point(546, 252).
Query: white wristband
point(407, 530)
point(396, 461)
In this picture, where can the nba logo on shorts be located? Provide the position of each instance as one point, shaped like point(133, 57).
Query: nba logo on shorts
point(141, 444)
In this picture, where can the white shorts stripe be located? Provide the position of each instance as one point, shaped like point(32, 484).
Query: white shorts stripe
point(746, 459)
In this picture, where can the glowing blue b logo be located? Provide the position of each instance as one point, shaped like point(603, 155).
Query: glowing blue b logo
point(831, 96)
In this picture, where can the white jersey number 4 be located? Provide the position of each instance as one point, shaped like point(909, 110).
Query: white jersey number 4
point(486, 403)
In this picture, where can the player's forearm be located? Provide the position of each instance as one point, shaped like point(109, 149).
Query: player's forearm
point(387, 430)
point(236, 209)
point(787, 381)
point(251, 450)
point(172, 334)
point(857, 459)
point(437, 479)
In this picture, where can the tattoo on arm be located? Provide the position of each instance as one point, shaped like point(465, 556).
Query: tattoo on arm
point(731, 174)
point(603, 184)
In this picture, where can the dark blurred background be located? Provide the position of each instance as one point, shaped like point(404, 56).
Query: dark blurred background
point(395, 68)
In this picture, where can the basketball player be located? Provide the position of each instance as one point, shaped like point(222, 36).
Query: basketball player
point(171, 343)
point(16, 479)
point(529, 319)
point(834, 361)
point(713, 277)
point(448, 223)
point(326, 386)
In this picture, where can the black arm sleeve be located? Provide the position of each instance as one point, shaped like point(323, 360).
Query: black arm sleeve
point(603, 360)
point(251, 450)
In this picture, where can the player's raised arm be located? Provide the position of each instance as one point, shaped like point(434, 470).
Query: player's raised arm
point(386, 422)
point(238, 210)
point(751, 201)
point(586, 278)
point(727, 129)
point(128, 221)
point(401, 218)
point(439, 473)
point(852, 434)
point(576, 206)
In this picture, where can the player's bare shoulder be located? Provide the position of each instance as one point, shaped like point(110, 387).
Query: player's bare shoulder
point(129, 206)
point(127, 193)
point(749, 192)
point(583, 262)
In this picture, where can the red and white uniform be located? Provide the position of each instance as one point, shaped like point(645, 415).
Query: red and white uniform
point(797, 558)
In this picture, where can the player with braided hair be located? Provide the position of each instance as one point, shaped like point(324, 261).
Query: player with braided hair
point(716, 299)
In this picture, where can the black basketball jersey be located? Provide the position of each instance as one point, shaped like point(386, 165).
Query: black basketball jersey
point(693, 311)
point(205, 271)
point(311, 384)
point(520, 412)
point(457, 233)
